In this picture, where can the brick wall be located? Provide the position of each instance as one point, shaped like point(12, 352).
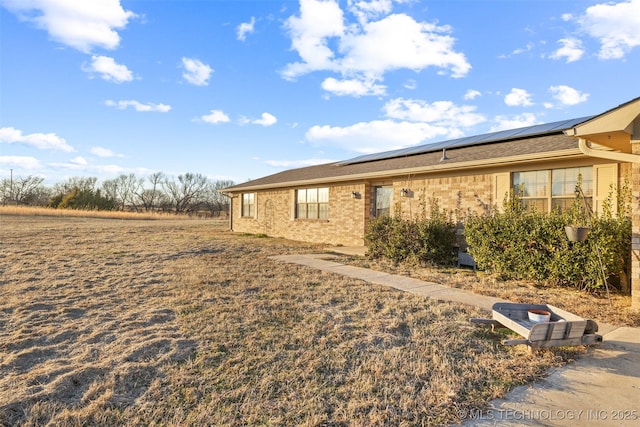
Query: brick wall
point(346, 225)
point(275, 217)
point(459, 195)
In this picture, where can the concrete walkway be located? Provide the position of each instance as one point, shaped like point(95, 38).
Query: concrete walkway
point(600, 389)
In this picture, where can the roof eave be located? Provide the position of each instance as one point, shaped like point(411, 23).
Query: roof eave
point(475, 164)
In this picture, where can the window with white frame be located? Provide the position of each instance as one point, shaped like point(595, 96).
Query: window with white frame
point(549, 189)
point(249, 204)
point(312, 203)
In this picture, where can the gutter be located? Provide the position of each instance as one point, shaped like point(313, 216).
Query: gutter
point(585, 148)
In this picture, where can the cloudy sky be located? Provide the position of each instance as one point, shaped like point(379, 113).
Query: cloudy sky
point(240, 89)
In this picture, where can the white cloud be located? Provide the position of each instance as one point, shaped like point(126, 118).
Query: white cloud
point(104, 152)
point(108, 69)
point(567, 95)
point(366, 10)
point(23, 162)
point(441, 113)
point(514, 122)
point(528, 48)
point(472, 94)
point(81, 165)
point(82, 25)
point(366, 50)
point(309, 32)
point(246, 28)
point(376, 136)
point(571, 49)
point(43, 141)
point(80, 161)
point(518, 98)
point(615, 25)
point(215, 117)
point(138, 106)
point(288, 164)
point(410, 84)
point(352, 87)
point(398, 41)
point(196, 72)
point(265, 120)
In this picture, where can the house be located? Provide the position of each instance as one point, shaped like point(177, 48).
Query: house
point(331, 203)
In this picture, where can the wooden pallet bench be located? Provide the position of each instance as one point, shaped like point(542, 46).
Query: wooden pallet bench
point(563, 329)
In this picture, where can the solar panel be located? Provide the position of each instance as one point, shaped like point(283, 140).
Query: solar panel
point(466, 141)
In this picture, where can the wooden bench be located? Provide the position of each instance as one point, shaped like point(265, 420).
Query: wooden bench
point(563, 329)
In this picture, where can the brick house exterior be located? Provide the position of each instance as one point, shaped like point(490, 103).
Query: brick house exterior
point(332, 203)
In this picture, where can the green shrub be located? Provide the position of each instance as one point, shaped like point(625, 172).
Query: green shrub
point(524, 244)
point(428, 239)
point(84, 199)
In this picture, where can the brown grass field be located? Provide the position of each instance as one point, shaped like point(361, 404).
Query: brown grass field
point(179, 322)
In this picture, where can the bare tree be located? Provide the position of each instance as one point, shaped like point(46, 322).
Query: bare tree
point(214, 200)
point(110, 188)
point(152, 197)
point(24, 191)
point(123, 189)
point(79, 182)
point(187, 192)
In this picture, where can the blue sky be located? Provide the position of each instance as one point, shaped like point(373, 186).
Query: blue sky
point(241, 89)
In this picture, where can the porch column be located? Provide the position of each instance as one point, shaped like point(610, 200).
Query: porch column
point(635, 230)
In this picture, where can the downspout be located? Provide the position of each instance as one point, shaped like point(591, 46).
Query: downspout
point(617, 156)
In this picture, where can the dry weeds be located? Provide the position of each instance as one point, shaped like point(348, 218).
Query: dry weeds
point(178, 322)
point(42, 211)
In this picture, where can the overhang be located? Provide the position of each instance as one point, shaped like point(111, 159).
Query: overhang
point(613, 129)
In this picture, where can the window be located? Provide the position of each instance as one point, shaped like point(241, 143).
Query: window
point(563, 188)
point(249, 204)
point(312, 203)
point(532, 187)
point(382, 201)
point(545, 190)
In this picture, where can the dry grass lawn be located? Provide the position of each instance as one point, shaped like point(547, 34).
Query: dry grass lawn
point(614, 308)
point(178, 322)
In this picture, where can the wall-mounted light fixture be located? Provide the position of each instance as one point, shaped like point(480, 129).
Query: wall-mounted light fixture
point(355, 195)
point(404, 192)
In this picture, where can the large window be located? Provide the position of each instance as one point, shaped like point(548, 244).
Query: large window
point(249, 204)
point(312, 203)
point(545, 190)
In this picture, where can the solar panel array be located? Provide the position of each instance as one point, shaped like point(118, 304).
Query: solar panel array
point(528, 131)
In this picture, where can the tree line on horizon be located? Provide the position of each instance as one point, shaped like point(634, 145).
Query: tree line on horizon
point(188, 193)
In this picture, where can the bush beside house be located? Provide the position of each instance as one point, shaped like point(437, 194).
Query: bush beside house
point(427, 239)
point(517, 243)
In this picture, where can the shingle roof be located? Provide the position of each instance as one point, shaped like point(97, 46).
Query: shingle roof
point(503, 135)
point(519, 142)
